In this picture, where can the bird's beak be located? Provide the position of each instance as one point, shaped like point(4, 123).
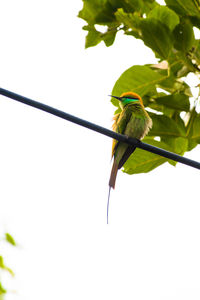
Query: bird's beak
point(115, 97)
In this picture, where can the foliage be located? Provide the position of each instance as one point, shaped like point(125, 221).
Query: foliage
point(3, 267)
point(168, 30)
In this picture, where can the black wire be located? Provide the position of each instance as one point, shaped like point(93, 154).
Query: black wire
point(100, 129)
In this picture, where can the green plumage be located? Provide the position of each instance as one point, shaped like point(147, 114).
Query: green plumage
point(133, 121)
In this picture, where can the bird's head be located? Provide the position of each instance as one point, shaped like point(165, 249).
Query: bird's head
point(127, 98)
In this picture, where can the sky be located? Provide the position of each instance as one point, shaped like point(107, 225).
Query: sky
point(54, 174)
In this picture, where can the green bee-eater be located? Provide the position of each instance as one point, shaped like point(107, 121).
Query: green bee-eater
point(132, 121)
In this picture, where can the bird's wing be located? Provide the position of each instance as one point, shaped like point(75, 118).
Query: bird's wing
point(120, 122)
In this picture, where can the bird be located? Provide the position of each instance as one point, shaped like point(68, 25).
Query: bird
point(133, 121)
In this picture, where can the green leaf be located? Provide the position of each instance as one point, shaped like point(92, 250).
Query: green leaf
point(142, 161)
point(91, 9)
point(184, 37)
point(184, 7)
point(194, 128)
point(178, 145)
point(2, 289)
point(176, 101)
point(10, 239)
point(164, 126)
point(157, 36)
point(165, 16)
point(130, 20)
point(174, 85)
point(109, 36)
point(180, 123)
point(191, 144)
point(128, 6)
point(140, 79)
point(191, 116)
point(161, 108)
point(195, 21)
point(93, 37)
point(4, 267)
point(195, 53)
point(97, 12)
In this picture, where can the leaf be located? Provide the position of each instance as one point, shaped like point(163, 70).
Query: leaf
point(2, 289)
point(4, 267)
point(174, 85)
point(140, 79)
point(184, 7)
point(130, 20)
point(183, 36)
point(180, 123)
point(109, 36)
point(157, 36)
point(164, 126)
point(142, 161)
point(97, 12)
point(161, 108)
point(195, 21)
point(176, 101)
point(128, 5)
point(178, 145)
point(196, 53)
point(93, 37)
point(191, 144)
point(10, 239)
point(165, 15)
point(194, 128)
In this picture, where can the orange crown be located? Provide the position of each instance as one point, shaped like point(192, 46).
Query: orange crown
point(134, 95)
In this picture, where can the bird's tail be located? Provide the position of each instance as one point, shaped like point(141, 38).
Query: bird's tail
point(113, 174)
point(112, 180)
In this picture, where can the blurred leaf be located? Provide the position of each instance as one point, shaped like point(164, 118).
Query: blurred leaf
point(128, 5)
point(195, 52)
point(191, 144)
point(195, 21)
point(10, 239)
point(180, 123)
point(178, 145)
point(157, 36)
point(184, 7)
point(194, 128)
point(97, 12)
point(140, 79)
point(142, 161)
point(174, 85)
point(165, 16)
point(176, 101)
point(183, 36)
point(164, 126)
point(2, 289)
point(161, 108)
point(130, 20)
point(4, 267)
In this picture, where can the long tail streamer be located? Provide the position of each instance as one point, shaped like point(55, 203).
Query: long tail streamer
point(108, 202)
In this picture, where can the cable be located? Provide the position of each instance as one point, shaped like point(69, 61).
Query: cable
point(100, 129)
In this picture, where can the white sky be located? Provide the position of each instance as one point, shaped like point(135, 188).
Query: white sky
point(54, 174)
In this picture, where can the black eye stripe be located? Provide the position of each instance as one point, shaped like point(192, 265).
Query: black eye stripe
point(134, 98)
